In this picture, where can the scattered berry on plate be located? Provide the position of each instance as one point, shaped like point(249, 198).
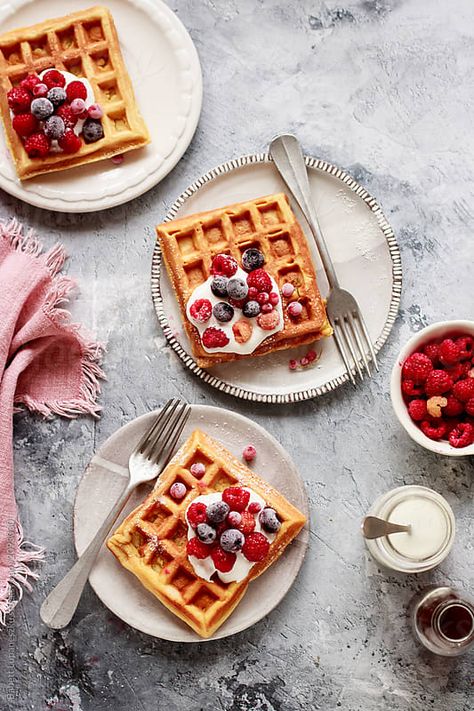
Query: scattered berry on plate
point(178, 490)
point(438, 382)
point(19, 100)
point(251, 309)
point(201, 310)
point(237, 288)
point(463, 390)
point(247, 523)
point(92, 131)
point(287, 290)
point(25, 124)
point(219, 286)
point(311, 356)
point(234, 519)
point(37, 145)
point(56, 95)
point(224, 265)
point(53, 77)
point(217, 511)
point(76, 90)
point(206, 533)
point(242, 331)
point(304, 362)
point(223, 560)
point(434, 430)
point(198, 469)
point(462, 435)
point(232, 540)
point(269, 520)
point(249, 453)
point(417, 410)
point(42, 108)
point(417, 367)
point(69, 142)
point(256, 547)
point(214, 338)
point(260, 280)
point(236, 497)
point(223, 311)
point(196, 513)
point(293, 364)
point(252, 259)
point(54, 127)
point(197, 549)
point(40, 89)
point(254, 507)
point(29, 82)
point(295, 309)
point(95, 111)
point(269, 321)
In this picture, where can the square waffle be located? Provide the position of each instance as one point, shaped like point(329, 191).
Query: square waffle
point(151, 541)
point(83, 43)
point(268, 223)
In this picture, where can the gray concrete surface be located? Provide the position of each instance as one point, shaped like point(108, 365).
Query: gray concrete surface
point(383, 88)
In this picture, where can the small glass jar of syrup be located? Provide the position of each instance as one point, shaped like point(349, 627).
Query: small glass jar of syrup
point(443, 620)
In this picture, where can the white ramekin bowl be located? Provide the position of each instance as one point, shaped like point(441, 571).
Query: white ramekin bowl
point(436, 330)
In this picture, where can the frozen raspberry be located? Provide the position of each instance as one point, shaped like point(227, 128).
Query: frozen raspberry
point(462, 435)
point(287, 290)
point(249, 453)
point(256, 547)
point(247, 524)
point(65, 112)
point(437, 382)
point(274, 298)
point(224, 265)
point(449, 352)
point(214, 338)
point(435, 404)
point(254, 507)
point(25, 124)
point(417, 410)
point(19, 100)
point(37, 145)
point(76, 90)
point(410, 389)
point(223, 560)
point(268, 322)
point(470, 407)
point(69, 142)
point(236, 497)
point(295, 309)
point(466, 346)
point(464, 389)
point(53, 78)
point(260, 280)
point(201, 310)
point(453, 406)
point(242, 331)
point(234, 519)
point(269, 520)
point(432, 351)
point(30, 82)
point(196, 548)
point(198, 470)
point(434, 430)
point(196, 513)
point(178, 490)
point(417, 367)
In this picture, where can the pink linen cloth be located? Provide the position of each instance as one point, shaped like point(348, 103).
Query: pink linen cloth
point(46, 365)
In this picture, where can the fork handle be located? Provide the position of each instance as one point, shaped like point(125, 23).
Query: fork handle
point(60, 605)
point(289, 160)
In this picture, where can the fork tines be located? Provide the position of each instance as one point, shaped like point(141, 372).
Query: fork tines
point(350, 333)
point(161, 438)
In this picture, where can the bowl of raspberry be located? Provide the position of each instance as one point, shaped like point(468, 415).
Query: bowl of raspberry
point(432, 388)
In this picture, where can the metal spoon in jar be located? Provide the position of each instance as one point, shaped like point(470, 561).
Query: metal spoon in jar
point(373, 527)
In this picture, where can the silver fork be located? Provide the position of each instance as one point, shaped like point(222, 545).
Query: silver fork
point(147, 461)
point(343, 311)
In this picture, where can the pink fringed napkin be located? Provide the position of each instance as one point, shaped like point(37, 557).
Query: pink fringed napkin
point(46, 364)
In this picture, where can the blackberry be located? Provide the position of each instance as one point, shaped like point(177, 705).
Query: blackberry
point(223, 312)
point(252, 259)
point(92, 131)
point(54, 127)
point(232, 540)
point(57, 96)
point(269, 520)
point(237, 288)
point(251, 309)
point(205, 533)
point(217, 511)
point(219, 286)
point(42, 108)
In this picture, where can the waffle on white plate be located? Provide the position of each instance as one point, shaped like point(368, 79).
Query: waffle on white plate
point(154, 541)
point(85, 45)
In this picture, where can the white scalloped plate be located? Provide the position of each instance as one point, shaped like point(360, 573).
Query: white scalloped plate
point(364, 251)
point(166, 75)
point(102, 483)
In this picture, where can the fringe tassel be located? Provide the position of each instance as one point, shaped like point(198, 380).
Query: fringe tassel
point(12, 593)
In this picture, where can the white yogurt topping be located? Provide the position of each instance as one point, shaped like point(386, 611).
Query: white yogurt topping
point(203, 291)
point(429, 527)
point(205, 568)
point(89, 100)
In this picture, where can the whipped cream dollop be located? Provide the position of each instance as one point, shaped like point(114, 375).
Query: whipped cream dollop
point(258, 335)
point(205, 568)
point(89, 100)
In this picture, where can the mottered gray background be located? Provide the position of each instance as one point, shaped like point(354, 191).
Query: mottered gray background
point(384, 89)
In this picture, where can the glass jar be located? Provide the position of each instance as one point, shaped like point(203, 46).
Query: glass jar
point(432, 531)
point(443, 620)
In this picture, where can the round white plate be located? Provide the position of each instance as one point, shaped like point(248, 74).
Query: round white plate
point(364, 251)
point(103, 481)
point(166, 75)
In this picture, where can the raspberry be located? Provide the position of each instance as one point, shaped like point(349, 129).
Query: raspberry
point(197, 548)
point(237, 303)
point(30, 82)
point(417, 367)
point(249, 453)
point(196, 513)
point(432, 351)
point(37, 145)
point(449, 352)
point(268, 321)
point(69, 142)
point(224, 265)
point(255, 547)
point(260, 280)
point(19, 100)
point(242, 331)
point(464, 389)
point(201, 310)
point(470, 406)
point(223, 560)
point(417, 410)
point(438, 382)
point(53, 78)
point(254, 507)
point(434, 430)
point(466, 346)
point(68, 116)
point(25, 124)
point(462, 435)
point(214, 338)
point(458, 371)
point(453, 408)
point(76, 90)
point(410, 389)
point(236, 497)
point(247, 523)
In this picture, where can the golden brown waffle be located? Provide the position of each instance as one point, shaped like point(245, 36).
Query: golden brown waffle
point(189, 243)
point(84, 43)
point(151, 541)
